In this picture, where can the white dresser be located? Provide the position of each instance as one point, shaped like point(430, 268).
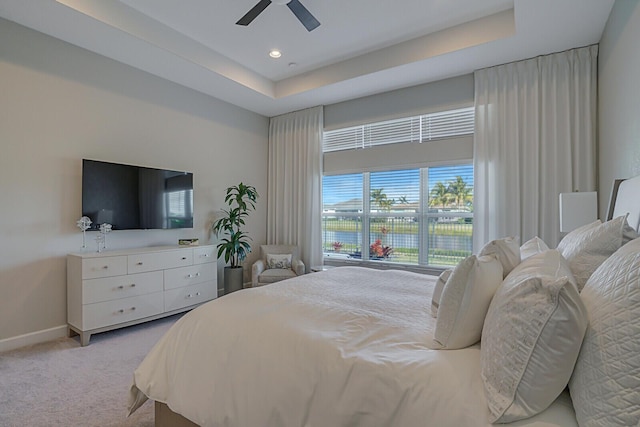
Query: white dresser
point(113, 289)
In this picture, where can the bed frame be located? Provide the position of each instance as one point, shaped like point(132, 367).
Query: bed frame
point(165, 417)
point(625, 199)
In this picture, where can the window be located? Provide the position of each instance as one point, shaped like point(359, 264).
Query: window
point(418, 216)
point(424, 128)
point(387, 203)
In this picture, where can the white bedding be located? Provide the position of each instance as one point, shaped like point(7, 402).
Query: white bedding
point(344, 347)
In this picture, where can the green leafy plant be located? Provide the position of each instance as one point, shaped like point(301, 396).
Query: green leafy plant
point(235, 246)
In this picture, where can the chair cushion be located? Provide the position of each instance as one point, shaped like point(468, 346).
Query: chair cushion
point(275, 274)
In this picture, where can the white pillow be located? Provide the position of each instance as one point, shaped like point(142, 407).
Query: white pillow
point(507, 250)
point(532, 247)
point(588, 246)
point(531, 338)
point(437, 291)
point(279, 261)
point(465, 299)
point(605, 386)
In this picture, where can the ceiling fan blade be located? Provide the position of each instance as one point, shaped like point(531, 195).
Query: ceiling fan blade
point(301, 12)
point(254, 12)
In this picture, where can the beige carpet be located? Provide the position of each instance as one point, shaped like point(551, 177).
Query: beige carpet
point(62, 384)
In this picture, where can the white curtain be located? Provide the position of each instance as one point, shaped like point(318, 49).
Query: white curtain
point(294, 201)
point(535, 137)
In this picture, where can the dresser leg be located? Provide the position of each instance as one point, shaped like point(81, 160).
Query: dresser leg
point(84, 338)
point(70, 332)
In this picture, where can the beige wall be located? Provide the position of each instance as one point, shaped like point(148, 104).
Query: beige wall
point(59, 104)
point(619, 98)
point(441, 95)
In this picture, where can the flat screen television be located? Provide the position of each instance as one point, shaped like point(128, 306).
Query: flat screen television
point(136, 198)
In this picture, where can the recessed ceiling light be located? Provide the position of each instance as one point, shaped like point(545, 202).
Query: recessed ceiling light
point(275, 53)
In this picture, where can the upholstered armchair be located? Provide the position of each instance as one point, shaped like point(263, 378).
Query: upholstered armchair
point(277, 262)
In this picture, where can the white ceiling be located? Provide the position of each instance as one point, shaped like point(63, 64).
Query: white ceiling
point(362, 47)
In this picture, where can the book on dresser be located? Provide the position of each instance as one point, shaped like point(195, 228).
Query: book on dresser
point(114, 289)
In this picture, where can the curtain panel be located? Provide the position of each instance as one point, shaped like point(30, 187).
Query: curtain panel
point(535, 137)
point(294, 200)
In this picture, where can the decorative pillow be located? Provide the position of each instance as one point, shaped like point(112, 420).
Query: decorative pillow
point(278, 260)
point(532, 247)
point(507, 250)
point(465, 299)
point(437, 291)
point(588, 246)
point(605, 386)
point(531, 338)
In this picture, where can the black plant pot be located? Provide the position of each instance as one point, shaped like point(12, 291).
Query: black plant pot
point(233, 279)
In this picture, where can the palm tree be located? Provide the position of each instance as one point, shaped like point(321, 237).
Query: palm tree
point(460, 191)
point(440, 195)
point(381, 199)
point(377, 196)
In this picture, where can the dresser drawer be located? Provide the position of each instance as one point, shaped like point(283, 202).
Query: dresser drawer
point(204, 254)
point(185, 276)
point(110, 288)
point(104, 267)
point(140, 263)
point(175, 299)
point(109, 313)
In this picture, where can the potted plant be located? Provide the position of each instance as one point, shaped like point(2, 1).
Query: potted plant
point(235, 246)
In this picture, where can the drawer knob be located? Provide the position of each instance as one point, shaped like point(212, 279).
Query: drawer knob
point(120, 287)
point(189, 296)
point(184, 257)
point(204, 255)
point(197, 294)
point(133, 308)
point(133, 285)
point(105, 267)
point(121, 311)
point(139, 263)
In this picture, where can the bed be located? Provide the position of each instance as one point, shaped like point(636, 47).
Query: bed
point(349, 346)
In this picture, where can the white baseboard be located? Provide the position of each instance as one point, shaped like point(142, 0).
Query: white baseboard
point(33, 338)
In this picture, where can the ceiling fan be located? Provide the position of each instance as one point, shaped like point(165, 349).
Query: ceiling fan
point(301, 12)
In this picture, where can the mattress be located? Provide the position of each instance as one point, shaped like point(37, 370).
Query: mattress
point(350, 346)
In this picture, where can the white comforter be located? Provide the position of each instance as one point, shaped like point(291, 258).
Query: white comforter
point(344, 347)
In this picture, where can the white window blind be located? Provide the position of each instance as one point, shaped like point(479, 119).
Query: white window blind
point(427, 127)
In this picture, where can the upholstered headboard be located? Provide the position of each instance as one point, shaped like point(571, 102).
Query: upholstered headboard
point(625, 198)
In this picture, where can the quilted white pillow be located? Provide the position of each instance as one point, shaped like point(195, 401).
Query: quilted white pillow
point(437, 291)
point(465, 299)
point(605, 386)
point(531, 337)
point(532, 247)
point(588, 246)
point(507, 250)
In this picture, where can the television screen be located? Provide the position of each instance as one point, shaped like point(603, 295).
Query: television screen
point(134, 197)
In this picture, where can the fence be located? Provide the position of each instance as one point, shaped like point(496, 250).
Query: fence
point(445, 239)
